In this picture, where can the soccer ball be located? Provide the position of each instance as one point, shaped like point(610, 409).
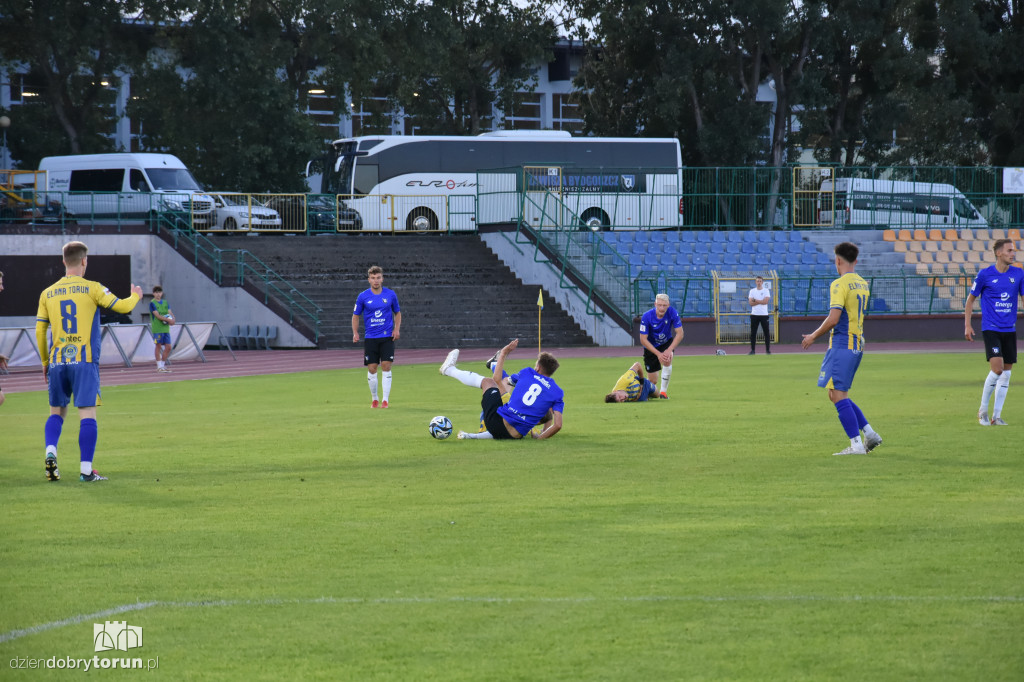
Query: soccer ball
point(440, 427)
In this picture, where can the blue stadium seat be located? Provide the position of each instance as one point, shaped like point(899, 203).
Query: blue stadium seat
point(687, 236)
point(734, 237)
point(749, 247)
point(703, 236)
point(718, 236)
point(808, 259)
point(750, 236)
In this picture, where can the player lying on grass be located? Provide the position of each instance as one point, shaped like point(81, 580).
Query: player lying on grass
point(535, 399)
point(632, 387)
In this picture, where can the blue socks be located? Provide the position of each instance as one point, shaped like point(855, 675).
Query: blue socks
point(87, 436)
point(850, 417)
point(51, 432)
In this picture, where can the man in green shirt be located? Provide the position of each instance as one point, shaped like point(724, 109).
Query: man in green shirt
point(160, 320)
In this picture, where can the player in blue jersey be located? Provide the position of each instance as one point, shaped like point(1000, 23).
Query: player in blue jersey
point(536, 399)
point(661, 331)
point(71, 360)
point(848, 300)
point(632, 387)
point(999, 287)
point(382, 321)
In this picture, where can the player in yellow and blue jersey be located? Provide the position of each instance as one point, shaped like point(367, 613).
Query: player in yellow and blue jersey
point(71, 360)
point(632, 387)
point(848, 301)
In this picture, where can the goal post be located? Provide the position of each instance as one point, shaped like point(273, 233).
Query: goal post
point(731, 292)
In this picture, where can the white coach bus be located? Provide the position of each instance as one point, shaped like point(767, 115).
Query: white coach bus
point(393, 182)
point(895, 203)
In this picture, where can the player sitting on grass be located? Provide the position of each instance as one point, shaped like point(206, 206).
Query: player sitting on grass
point(632, 387)
point(535, 399)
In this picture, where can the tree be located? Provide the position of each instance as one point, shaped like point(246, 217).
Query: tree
point(452, 61)
point(75, 51)
point(694, 70)
point(214, 96)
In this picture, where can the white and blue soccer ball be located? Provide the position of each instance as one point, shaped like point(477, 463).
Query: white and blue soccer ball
point(440, 427)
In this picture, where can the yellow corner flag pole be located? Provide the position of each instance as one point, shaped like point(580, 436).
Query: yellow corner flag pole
point(540, 307)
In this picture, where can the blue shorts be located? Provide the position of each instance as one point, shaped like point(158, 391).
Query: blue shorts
point(162, 338)
point(838, 368)
point(81, 379)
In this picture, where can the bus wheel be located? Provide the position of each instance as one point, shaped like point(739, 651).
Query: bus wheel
point(595, 220)
point(421, 219)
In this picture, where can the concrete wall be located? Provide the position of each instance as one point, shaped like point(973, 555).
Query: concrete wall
point(192, 295)
point(520, 259)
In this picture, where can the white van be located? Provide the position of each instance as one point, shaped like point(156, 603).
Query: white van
point(126, 186)
point(863, 202)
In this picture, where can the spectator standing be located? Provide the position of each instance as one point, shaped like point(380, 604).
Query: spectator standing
point(71, 363)
point(848, 298)
point(999, 287)
point(160, 320)
point(760, 300)
point(661, 331)
point(382, 322)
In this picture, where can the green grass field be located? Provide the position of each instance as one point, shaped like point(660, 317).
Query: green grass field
point(271, 528)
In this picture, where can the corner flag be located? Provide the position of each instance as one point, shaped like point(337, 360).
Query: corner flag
point(540, 307)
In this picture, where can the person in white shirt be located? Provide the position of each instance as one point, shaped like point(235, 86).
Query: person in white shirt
point(760, 300)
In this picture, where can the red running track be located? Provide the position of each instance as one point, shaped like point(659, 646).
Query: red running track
point(220, 364)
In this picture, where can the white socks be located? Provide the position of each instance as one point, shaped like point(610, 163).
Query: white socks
point(387, 384)
point(986, 392)
point(666, 374)
point(465, 376)
point(483, 435)
point(1002, 386)
point(371, 379)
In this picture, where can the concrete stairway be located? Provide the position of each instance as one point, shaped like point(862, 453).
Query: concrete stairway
point(454, 292)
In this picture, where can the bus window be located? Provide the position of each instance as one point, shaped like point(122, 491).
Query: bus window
point(365, 179)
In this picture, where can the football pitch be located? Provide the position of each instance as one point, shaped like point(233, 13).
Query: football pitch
point(274, 527)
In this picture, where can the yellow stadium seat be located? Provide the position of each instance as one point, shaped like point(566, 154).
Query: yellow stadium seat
point(926, 257)
point(905, 235)
point(979, 246)
point(983, 235)
point(899, 247)
point(958, 257)
point(889, 235)
point(967, 234)
point(915, 246)
point(931, 246)
point(1013, 234)
point(974, 258)
point(950, 236)
point(922, 269)
point(935, 235)
point(998, 233)
point(962, 245)
point(910, 257)
point(947, 246)
point(941, 257)
point(920, 235)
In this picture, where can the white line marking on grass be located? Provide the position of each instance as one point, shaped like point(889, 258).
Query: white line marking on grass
point(75, 620)
point(794, 598)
